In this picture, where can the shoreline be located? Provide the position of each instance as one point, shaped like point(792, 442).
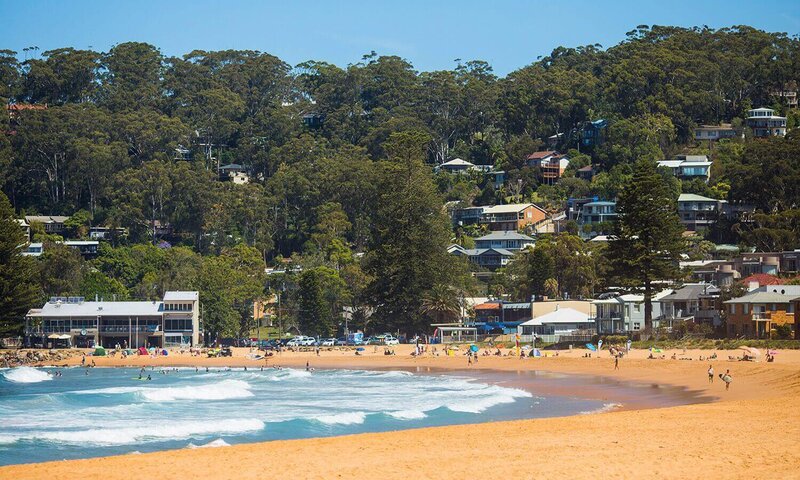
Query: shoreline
point(701, 438)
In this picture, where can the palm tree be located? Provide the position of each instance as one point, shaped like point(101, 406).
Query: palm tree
point(441, 303)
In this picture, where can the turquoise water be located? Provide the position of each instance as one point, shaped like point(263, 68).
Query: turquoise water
point(107, 412)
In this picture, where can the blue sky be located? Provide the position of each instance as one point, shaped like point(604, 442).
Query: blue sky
point(431, 34)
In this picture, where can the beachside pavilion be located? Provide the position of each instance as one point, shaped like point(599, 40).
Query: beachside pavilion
point(65, 322)
point(561, 322)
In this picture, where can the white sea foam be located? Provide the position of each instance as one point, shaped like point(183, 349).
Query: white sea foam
point(608, 407)
point(407, 414)
point(26, 375)
point(491, 396)
point(346, 418)
point(212, 444)
point(289, 373)
point(224, 390)
point(129, 435)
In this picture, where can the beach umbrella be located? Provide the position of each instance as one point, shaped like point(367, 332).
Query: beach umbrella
point(360, 349)
point(474, 348)
point(751, 350)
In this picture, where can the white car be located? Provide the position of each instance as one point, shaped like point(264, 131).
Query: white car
point(328, 342)
point(301, 341)
point(390, 340)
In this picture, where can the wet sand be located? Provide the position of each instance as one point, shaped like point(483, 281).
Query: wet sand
point(750, 431)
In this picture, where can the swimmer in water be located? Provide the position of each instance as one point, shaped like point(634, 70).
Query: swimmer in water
point(148, 377)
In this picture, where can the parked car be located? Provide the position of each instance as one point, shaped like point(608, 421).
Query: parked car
point(328, 342)
point(301, 341)
point(390, 340)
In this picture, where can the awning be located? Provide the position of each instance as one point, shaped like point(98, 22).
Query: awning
point(58, 337)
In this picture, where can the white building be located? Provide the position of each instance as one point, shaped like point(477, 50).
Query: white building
point(72, 321)
point(765, 123)
point(624, 314)
point(689, 167)
point(560, 322)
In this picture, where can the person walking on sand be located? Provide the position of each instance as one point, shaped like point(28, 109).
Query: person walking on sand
point(710, 374)
point(469, 358)
point(727, 378)
point(616, 362)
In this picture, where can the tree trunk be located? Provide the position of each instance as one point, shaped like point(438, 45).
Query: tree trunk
point(648, 305)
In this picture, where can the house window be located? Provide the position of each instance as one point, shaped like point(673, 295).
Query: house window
point(636, 325)
point(746, 308)
point(638, 307)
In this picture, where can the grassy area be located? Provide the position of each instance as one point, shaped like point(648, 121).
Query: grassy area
point(265, 333)
point(723, 344)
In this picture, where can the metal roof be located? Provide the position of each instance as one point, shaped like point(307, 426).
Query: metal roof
point(561, 315)
point(505, 235)
point(764, 297)
point(691, 197)
point(96, 309)
point(180, 295)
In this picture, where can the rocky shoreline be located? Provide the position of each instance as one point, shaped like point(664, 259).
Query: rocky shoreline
point(17, 358)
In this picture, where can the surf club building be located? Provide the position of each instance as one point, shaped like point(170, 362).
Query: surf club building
point(74, 322)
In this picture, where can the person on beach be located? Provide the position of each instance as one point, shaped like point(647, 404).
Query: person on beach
point(710, 374)
point(616, 362)
point(469, 358)
point(727, 378)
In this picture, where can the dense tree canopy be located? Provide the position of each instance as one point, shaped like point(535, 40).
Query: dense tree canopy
point(339, 160)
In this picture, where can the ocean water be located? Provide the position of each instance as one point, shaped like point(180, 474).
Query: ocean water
point(109, 411)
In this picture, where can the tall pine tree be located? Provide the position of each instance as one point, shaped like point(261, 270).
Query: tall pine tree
point(408, 255)
point(19, 290)
point(648, 241)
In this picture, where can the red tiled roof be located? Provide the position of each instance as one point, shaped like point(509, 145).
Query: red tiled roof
point(762, 279)
point(541, 155)
point(488, 306)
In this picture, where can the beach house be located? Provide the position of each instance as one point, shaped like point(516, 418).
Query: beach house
point(692, 302)
point(505, 239)
point(698, 212)
point(758, 312)
point(764, 123)
point(689, 167)
point(623, 314)
point(53, 224)
point(551, 164)
point(714, 132)
point(515, 216)
point(455, 165)
point(562, 324)
point(73, 321)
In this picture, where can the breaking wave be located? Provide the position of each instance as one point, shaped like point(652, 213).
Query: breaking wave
point(26, 375)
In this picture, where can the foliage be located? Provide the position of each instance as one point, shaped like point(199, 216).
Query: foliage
point(647, 240)
point(19, 288)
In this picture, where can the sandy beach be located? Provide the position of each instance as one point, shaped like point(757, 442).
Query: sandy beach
point(750, 431)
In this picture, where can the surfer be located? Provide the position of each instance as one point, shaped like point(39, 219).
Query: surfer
point(616, 362)
point(149, 378)
point(727, 378)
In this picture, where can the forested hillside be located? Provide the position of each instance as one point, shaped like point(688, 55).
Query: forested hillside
point(340, 162)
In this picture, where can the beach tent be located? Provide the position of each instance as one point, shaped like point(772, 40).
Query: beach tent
point(99, 352)
point(142, 351)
